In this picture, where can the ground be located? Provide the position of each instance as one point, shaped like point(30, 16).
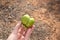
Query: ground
point(45, 12)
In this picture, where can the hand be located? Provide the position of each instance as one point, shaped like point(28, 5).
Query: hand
point(20, 33)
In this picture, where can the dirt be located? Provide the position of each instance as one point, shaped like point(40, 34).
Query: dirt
point(45, 12)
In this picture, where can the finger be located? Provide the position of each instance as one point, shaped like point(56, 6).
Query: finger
point(15, 30)
point(31, 29)
point(28, 33)
point(21, 38)
point(21, 32)
point(25, 32)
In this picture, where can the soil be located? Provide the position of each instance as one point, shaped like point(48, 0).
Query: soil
point(45, 12)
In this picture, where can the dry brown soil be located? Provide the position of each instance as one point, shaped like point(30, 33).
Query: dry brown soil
point(45, 12)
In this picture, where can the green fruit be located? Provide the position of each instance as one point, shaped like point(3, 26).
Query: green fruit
point(27, 21)
point(31, 22)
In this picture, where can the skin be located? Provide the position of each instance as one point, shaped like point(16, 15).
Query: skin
point(20, 33)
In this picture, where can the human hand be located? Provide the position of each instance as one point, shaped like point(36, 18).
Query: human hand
point(20, 33)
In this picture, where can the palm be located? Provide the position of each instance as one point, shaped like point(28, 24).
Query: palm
point(20, 33)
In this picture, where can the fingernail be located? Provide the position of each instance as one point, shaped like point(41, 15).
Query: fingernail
point(19, 35)
point(23, 32)
point(22, 36)
point(19, 30)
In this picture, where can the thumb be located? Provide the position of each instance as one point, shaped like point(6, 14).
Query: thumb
point(15, 30)
point(13, 35)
